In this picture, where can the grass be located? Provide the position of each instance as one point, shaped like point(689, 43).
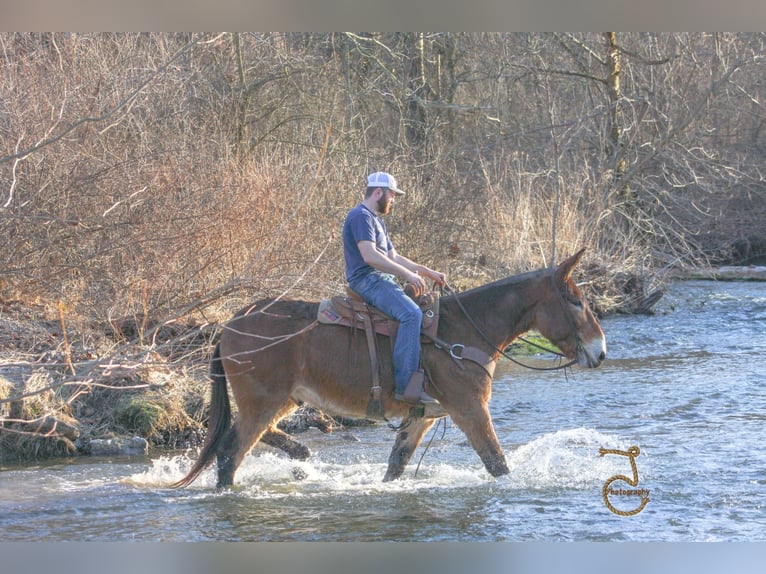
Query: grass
point(530, 344)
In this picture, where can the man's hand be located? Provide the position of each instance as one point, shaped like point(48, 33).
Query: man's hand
point(438, 277)
point(418, 285)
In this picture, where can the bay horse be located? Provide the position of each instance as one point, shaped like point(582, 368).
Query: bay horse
point(276, 356)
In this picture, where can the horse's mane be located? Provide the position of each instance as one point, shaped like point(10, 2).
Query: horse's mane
point(510, 281)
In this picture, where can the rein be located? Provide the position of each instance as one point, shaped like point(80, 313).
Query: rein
point(451, 291)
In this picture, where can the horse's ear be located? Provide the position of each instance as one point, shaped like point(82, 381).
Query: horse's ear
point(564, 270)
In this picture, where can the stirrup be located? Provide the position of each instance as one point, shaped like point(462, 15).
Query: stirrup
point(421, 399)
point(434, 411)
point(415, 393)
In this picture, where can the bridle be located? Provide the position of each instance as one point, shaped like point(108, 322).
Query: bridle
point(564, 308)
point(450, 291)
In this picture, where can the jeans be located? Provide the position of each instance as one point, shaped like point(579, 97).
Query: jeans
point(383, 292)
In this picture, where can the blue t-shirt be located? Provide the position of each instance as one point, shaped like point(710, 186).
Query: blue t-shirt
point(362, 225)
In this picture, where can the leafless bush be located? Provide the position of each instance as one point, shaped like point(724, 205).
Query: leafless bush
point(142, 172)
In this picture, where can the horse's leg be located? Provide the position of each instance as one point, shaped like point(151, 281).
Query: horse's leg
point(284, 442)
point(407, 440)
point(477, 426)
point(226, 466)
point(252, 422)
point(277, 438)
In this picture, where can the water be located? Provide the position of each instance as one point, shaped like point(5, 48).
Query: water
point(684, 385)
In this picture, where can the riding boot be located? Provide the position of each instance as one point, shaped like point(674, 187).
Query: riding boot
point(415, 393)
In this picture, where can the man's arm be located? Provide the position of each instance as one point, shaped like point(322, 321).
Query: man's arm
point(399, 266)
point(384, 263)
point(440, 278)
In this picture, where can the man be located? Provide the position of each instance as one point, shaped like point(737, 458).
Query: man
point(372, 266)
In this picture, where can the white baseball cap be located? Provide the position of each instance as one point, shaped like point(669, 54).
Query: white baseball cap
point(383, 179)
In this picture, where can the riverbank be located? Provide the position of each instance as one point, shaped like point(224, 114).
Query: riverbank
point(725, 273)
point(74, 388)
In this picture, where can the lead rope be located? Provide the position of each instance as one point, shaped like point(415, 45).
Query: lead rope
point(452, 292)
point(430, 442)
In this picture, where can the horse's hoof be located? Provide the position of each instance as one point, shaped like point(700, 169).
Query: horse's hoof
point(299, 473)
point(300, 452)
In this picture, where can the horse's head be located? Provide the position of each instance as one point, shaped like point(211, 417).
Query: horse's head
point(566, 320)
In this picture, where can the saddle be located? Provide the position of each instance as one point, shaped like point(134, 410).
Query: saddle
point(353, 312)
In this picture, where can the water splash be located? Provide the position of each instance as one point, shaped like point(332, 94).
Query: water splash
point(166, 470)
point(564, 459)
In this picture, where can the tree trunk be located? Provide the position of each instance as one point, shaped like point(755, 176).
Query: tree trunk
point(615, 142)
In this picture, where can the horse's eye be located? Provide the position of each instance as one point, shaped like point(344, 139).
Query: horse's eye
point(575, 302)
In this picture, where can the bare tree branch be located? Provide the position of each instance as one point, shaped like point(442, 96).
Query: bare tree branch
point(126, 101)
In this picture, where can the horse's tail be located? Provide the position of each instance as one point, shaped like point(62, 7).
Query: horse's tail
point(219, 420)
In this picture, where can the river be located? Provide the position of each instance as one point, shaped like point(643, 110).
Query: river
point(684, 385)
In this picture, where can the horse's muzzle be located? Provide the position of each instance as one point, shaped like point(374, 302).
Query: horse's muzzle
point(592, 353)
